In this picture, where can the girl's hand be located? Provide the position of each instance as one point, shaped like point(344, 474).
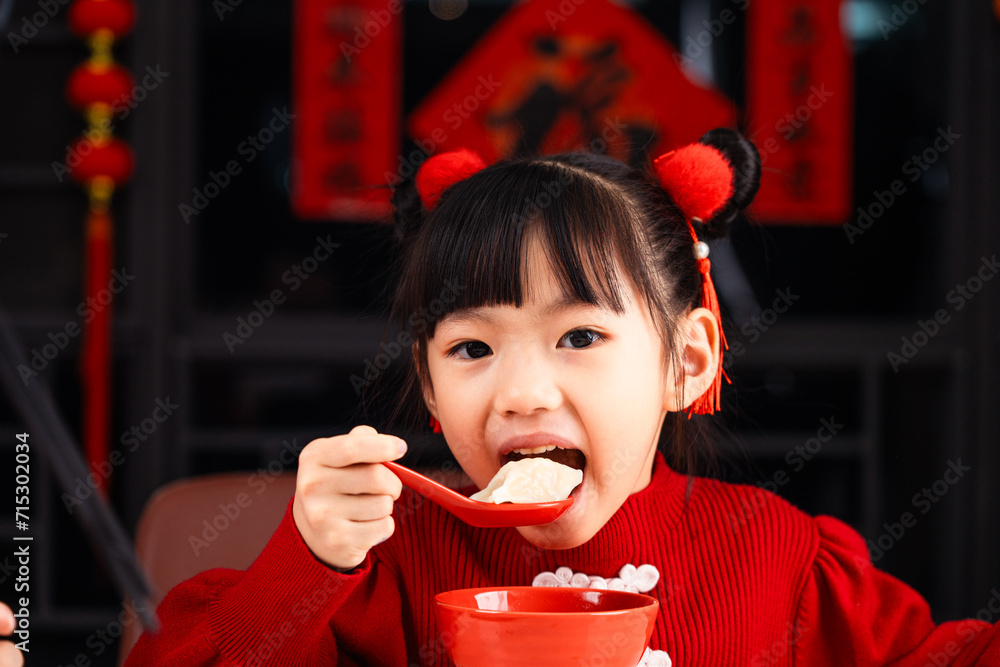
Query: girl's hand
point(9, 655)
point(344, 495)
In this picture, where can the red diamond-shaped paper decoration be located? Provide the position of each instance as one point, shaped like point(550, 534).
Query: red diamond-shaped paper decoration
point(556, 75)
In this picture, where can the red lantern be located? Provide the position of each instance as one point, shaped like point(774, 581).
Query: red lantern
point(100, 162)
point(93, 83)
point(88, 16)
point(105, 157)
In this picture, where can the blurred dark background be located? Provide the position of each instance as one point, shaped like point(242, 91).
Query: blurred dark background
point(826, 358)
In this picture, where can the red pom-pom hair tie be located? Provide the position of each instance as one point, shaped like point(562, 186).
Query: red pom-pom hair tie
point(440, 172)
point(699, 179)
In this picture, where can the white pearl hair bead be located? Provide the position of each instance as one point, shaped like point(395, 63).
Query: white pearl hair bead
point(700, 250)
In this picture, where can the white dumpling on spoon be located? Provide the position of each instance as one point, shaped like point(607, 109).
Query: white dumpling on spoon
point(530, 480)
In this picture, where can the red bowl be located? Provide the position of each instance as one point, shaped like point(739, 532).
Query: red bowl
point(555, 627)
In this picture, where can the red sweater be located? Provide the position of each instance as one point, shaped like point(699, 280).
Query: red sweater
point(745, 579)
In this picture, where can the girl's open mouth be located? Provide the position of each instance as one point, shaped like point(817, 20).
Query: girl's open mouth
point(572, 458)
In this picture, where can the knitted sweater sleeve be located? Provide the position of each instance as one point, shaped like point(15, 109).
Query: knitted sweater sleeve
point(851, 613)
point(287, 609)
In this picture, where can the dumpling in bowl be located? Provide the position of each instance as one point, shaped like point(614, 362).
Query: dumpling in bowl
point(530, 480)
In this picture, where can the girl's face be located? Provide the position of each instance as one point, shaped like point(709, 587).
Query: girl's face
point(555, 371)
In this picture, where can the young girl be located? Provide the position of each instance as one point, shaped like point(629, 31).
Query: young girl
point(560, 301)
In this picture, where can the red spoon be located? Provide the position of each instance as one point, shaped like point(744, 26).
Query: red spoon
point(476, 513)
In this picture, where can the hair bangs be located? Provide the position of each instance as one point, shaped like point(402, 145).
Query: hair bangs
point(474, 245)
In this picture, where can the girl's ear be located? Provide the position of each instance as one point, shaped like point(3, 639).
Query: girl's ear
point(429, 401)
point(426, 388)
point(699, 339)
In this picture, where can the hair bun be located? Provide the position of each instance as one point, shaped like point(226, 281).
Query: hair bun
point(698, 178)
point(744, 161)
point(440, 172)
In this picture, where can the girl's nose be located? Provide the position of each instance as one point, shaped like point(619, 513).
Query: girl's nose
point(526, 384)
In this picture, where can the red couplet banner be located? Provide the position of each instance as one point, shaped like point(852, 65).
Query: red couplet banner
point(346, 84)
point(799, 110)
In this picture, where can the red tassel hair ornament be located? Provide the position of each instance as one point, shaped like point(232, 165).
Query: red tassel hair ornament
point(440, 172)
point(699, 179)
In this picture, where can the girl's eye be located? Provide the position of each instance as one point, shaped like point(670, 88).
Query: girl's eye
point(474, 349)
point(580, 338)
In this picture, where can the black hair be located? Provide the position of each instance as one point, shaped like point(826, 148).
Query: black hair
point(598, 219)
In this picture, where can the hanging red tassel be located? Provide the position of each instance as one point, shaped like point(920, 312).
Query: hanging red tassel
point(711, 401)
point(96, 344)
point(699, 179)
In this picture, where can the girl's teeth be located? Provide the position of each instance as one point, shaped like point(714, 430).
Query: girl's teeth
point(535, 450)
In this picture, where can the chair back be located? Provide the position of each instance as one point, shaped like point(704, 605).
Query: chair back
point(201, 523)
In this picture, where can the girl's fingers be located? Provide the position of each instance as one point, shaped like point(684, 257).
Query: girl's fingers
point(371, 479)
point(319, 483)
point(10, 656)
point(344, 495)
point(365, 508)
point(373, 532)
point(366, 446)
point(347, 542)
point(7, 623)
